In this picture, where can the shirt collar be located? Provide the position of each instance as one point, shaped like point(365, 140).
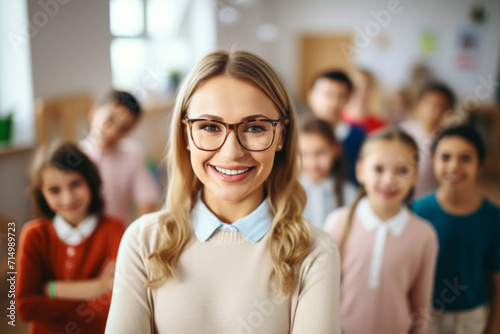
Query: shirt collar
point(342, 130)
point(90, 144)
point(371, 221)
point(327, 184)
point(253, 226)
point(73, 235)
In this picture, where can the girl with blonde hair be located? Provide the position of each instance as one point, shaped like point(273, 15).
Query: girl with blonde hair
point(388, 253)
point(230, 253)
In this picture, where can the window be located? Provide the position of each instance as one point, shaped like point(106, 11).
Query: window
point(16, 92)
point(156, 40)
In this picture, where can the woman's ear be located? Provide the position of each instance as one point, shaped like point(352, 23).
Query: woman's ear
point(186, 135)
point(281, 138)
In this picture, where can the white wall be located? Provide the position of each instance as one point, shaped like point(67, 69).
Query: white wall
point(390, 66)
point(202, 26)
point(70, 50)
point(241, 34)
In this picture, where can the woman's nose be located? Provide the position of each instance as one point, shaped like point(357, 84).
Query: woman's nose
point(232, 147)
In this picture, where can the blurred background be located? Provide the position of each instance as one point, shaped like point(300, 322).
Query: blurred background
point(58, 57)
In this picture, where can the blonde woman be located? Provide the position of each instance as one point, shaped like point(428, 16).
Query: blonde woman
point(231, 252)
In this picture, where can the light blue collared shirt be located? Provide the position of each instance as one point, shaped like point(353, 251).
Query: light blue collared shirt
point(253, 226)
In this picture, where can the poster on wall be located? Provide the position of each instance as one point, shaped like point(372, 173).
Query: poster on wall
point(467, 48)
point(428, 44)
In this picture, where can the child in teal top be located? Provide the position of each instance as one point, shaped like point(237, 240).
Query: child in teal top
point(467, 281)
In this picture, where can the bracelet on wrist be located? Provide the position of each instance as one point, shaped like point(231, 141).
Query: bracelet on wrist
point(52, 289)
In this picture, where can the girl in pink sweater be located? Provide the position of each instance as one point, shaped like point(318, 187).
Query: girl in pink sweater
point(388, 253)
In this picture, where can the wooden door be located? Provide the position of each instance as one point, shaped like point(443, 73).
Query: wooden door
point(319, 53)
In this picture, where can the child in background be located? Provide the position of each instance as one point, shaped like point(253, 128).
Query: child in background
point(357, 111)
point(322, 173)
point(388, 253)
point(327, 99)
point(120, 161)
point(467, 284)
point(435, 101)
point(67, 256)
point(400, 107)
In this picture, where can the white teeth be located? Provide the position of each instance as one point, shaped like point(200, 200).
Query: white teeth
point(231, 171)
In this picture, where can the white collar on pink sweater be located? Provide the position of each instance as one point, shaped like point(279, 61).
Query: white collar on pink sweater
point(370, 221)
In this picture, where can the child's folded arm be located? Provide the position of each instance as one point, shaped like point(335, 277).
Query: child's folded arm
point(78, 290)
point(31, 303)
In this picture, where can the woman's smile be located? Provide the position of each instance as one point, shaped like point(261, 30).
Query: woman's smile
point(232, 174)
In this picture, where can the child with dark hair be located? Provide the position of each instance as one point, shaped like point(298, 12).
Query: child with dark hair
point(435, 101)
point(467, 283)
point(126, 181)
point(66, 255)
point(322, 171)
point(327, 99)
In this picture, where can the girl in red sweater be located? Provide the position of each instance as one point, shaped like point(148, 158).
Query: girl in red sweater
point(67, 255)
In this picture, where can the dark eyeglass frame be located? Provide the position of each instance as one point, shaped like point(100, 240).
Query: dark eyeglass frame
point(234, 127)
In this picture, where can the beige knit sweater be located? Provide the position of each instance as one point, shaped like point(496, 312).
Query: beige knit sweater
point(222, 287)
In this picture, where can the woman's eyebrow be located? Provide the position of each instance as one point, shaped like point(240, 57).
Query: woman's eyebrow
point(255, 116)
point(217, 118)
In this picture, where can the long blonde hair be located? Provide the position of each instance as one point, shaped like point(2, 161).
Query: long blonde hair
point(389, 134)
point(290, 236)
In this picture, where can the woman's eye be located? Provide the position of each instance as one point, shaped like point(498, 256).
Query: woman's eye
point(53, 191)
point(445, 157)
point(210, 127)
point(255, 128)
point(379, 169)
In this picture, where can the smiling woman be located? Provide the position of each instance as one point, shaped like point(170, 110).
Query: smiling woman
point(233, 100)
point(231, 251)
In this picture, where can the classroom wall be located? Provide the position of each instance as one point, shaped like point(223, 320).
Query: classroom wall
point(241, 34)
point(403, 31)
point(69, 41)
point(70, 51)
point(14, 169)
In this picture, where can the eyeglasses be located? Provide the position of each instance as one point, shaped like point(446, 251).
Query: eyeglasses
point(254, 135)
